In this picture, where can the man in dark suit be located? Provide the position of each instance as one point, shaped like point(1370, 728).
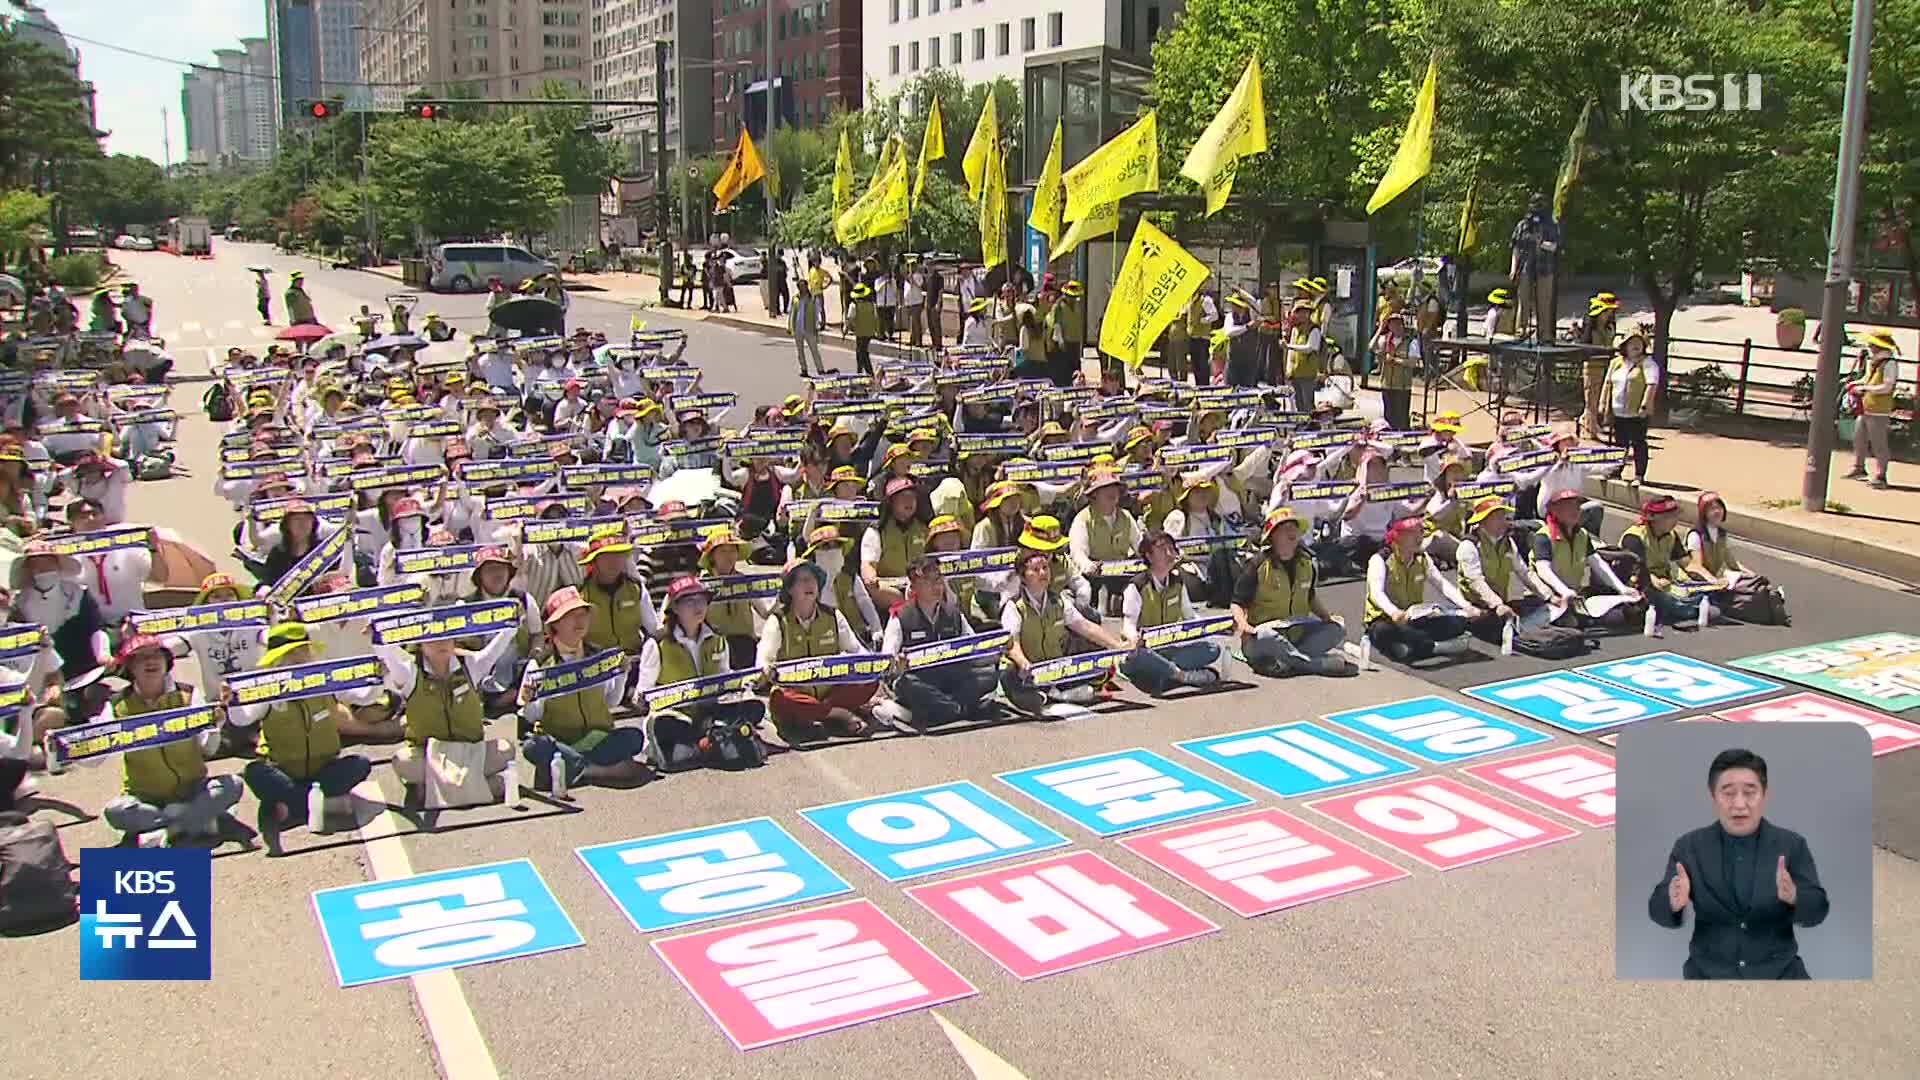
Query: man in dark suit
point(1749, 882)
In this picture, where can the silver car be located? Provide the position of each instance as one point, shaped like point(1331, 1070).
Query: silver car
point(466, 267)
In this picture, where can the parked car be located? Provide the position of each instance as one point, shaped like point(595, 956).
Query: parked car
point(124, 242)
point(743, 265)
point(143, 243)
point(466, 267)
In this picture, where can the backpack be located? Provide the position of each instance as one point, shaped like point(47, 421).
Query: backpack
point(1759, 603)
point(36, 883)
point(218, 403)
point(1550, 643)
point(732, 745)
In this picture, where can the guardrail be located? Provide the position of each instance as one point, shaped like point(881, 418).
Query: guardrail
point(1751, 379)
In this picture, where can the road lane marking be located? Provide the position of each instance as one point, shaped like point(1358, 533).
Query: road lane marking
point(452, 1031)
point(233, 324)
point(189, 327)
point(982, 1062)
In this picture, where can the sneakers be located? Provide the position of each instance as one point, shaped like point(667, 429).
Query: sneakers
point(1334, 664)
point(897, 716)
point(1205, 676)
point(1061, 710)
point(1271, 668)
point(1079, 695)
point(1857, 473)
point(1879, 483)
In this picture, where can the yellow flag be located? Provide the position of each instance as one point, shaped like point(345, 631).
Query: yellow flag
point(1127, 163)
point(880, 167)
point(1239, 129)
point(635, 323)
point(986, 134)
point(1049, 198)
point(1415, 155)
point(993, 208)
point(842, 176)
point(1469, 213)
point(890, 213)
point(933, 147)
point(1570, 165)
point(1156, 281)
point(1100, 221)
point(743, 168)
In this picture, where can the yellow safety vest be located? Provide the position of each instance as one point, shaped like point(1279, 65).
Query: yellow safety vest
point(1160, 604)
point(677, 662)
point(301, 736)
point(1496, 565)
point(1197, 326)
point(900, 546)
point(569, 717)
point(844, 603)
point(819, 638)
point(1570, 558)
point(451, 708)
point(1109, 538)
point(1302, 365)
point(1876, 404)
point(1282, 590)
point(1158, 505)
point(1716, 554)
point(1450, 519)
point(731, 617)
point(1662, 552)
point(1043, 629)
point(162, 774)
point(1406, 584)
point(1636, 387)
point(613, 617)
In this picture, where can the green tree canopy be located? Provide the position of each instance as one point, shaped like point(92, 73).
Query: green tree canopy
point(459, 180)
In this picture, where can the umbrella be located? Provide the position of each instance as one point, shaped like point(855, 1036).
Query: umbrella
point(303, 332)
point(177, 564)
point(689, 486)
point(256, 268)
point(348, 341)
point(396, 341)
point(526, 314)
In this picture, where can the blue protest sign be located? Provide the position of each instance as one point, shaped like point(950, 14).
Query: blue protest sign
point(1295, 759)
point(1114, 793)
point(930, 830)
point(1437, 730)
point(696, 875)
point(1570, 702)
point(428, 922)
point(1679, 680)
point(146, 914)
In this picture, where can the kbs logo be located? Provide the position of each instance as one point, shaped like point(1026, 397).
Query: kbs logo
point(145, 913)
point(1649, 92)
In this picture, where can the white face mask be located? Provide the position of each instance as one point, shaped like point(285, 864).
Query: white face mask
point(45, 580)
point(831, 562)
point(411, 534)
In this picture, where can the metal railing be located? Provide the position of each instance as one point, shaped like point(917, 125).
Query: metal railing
point(1752, 379)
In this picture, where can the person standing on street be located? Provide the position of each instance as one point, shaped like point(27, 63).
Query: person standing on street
point(299, 304)
point(138, 311)
point(776, 283)
point(804, 320)
point(687, 273)
point(886, 297)
point(1601, 312)
point(1633, 383)
point(935, 288)
point(913, 303)
point(817, 280)
point(1875, 393)
point(863, 322)
point(263, 297)
point(1536, 253)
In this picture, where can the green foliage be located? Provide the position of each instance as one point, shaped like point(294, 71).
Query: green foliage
point(1793, 316)
point(942, 221)
point(43, 112)
point(583, 161)
point(20, 211)
point(122, 190)
point(457, 180)
point(78, 271)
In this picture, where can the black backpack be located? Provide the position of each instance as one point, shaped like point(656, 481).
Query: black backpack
point(732, 745)
point(218, 402)
point(36, 881)
point(1550, 643)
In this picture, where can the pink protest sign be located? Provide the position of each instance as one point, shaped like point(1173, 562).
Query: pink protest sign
point(1576, 781)
point(1441, 822)
point(1262, 861)
point(1888, 733)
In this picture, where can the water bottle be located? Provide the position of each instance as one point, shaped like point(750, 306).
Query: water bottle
point(1366, 653)
point(317, 810)
point(1652, 627)
point(1506, 638)
point(559, 777)
point(1706, 610)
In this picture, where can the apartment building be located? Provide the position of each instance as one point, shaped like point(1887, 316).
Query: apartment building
point(816, 60)
point(492, 48)
point(982, 40)
point(623, 34)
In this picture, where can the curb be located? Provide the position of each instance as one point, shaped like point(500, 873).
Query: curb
point(1886, 561)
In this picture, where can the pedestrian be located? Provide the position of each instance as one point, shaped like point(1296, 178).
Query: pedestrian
point(138, 311)
point(1536, 251)
point(1598, 331)
point(886, 299)
point(1395, 355)
point(805, 325)
point(1874, 393)
point(776, 283)
point(817, 281)
point(1633, 384)
point(863, 322)
point(688, 272)
point(913, 304)
point(299, 304)
point(935, 287)
point(263, 297)
point(1273, 314)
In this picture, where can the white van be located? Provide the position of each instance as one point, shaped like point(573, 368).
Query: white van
point(466, 267)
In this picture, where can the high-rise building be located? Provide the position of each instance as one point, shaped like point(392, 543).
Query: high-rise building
point(816, 63)
point(200, 110)
point(335, 23)
point(491, 48)
point(315, 50)
point(623, 34)
point(981, 40)
point(232, 108)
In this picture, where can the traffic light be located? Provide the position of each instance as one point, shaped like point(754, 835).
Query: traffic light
point(321, 110)
point(426, 110)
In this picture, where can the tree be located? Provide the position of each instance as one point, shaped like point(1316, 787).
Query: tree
point(458, 180)
point(43, 112)
point(20, 212)
point(583, 161)
point(944, 220)
point(122, 190)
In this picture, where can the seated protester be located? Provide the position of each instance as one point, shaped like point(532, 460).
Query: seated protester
point(222, 652)
point(721, 555)
point(442, 686)
point(1489, 566)
point(492, 579)
point(1363, 524)
point(1042, 533)
point(1397, 580)
point(1002, 517)
point(693, 426)
point(47, 589)
point(900, 538)
point(1442, 444)
point(760, 484)
point(930, 697)
point(546, 568)
point(407, 530)
point(896, 464)
point(166, 786)
point(802, 626)
point(1565, 561)
point(1040, 618)
point(487, 436)
point(571, 406)
point(576, 727)
point(1196, 516)
point(946, 534)
point(300, 743)
point(116, 579)
point(1276, 587)
point(1656, 540)
point(1103, 532)
point(105, 481)
point(621, 611)
point(1711, 558)
point(844, 591)
point(1157, 597)
point(688, 647)
point(1443, 516)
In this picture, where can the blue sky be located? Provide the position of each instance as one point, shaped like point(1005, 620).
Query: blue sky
point(131, 90)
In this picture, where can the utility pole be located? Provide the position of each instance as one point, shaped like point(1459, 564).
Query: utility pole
point(661, 200)
point(1833, 329)
point(166, 144)
point(773, 243)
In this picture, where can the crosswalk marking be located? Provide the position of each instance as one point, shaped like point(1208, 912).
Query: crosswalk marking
point(233, 324)
point(189, 327)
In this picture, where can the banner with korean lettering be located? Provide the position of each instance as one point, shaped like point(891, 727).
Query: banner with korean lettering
point(186, 620)
point(570, 530)
point(1156, 281)
point(1239, 129)
point(21, 639)
point(311, 565)
point(704, 688)
point(86, 742)
point(1179, 633)
point(839, 668)
point(957, 650)
point(452, 559)
point(515, 469)
point(1402, 491)
point(389, 476)
point(518, 507)
point(273, 686)
point(1881, 670)
point(580, 674)
point(361, 604)
point(996, 442)
point(1081, 667)
point(744, 586)
point(270, 510)
point(459, 620)
point(1124, 165)
point(119, 538)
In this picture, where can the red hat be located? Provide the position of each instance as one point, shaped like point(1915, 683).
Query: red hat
point(1564, 494)
point(572, 384)
point(1404, 526)
point(138, 643)
point(564, 601)
point(408, 507)
point(899, 484)
point(298, 506)
point(684, 586)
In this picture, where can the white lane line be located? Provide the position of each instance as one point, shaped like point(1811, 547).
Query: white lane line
point(189, 327)
point(451, 1027)
point(983, 1063)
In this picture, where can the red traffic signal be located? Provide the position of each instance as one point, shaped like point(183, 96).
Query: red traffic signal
point(319, 110)
point(425, 111)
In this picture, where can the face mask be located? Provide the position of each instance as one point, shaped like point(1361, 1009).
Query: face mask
point(45, 580)
point(411, 534)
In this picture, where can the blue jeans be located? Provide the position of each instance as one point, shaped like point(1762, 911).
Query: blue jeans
point(271, 784)
point(1298, 657)
point(621, 744)
point(1675, 610)
point(1156, 670)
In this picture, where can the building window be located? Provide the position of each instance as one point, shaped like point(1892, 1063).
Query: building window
point(913, 9)
point(893, 13)
point(979, 43)
point(1026, 35)
point(1056, 30)
point(1003, 35)
point(913, 55)
point(893, 60)
point(953, 46)
point(1127, 36)
point(933, 52)
point(1153, 22)
point(933, 7)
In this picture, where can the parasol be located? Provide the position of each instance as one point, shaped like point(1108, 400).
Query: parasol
point(303, 332)
point(526, 314)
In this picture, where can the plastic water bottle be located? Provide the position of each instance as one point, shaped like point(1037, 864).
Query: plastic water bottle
point(317, 810)
point(1652, 628)
point(1706, 610)
point(1366, 653)
point(1506, 638)
point(559, 777)
point(510, 785)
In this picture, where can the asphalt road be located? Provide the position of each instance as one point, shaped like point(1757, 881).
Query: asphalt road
point(1498, 970)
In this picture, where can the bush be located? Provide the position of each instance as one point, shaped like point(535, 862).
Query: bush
point(1706, 388)
point(1793, 316)
point(82, 270)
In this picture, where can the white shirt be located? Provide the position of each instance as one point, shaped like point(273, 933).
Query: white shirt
point(223, 652)
point(1132, 602)
point(771, 636)
point(117, 580)
point(611, 690)
point(401, 668)
point(1475, 574)
point(1622, 383)
point(1011, 620)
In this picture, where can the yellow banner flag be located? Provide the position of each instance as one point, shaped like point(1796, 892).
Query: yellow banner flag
point(1469, 213)
point(1415, 156)
point(1156, 281)
point(933, 147)
point(890, 213)
point(986, 134)
point(1127, 163)
point(1049, 198)
point(880, 167)
point(1570, 165)
point(1100, 221)
point(842, 176)
point(743, 168)
point(993, 208)
point(1239, 129)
